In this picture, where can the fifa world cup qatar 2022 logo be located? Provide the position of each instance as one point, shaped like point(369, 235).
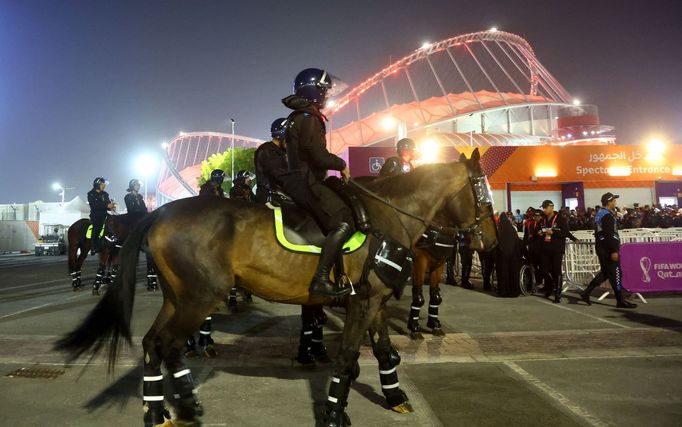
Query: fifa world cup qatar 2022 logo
point(645, 265)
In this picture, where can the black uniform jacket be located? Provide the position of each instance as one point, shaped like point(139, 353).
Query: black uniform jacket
point(560, 233)
point(306, 141)
point(135, 203)
point(395, 166)
point(98, 201)
point(242, 191)
point(271, 165)
point(211, 189)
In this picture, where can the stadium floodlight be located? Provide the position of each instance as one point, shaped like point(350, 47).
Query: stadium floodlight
point(330, 104)
point(655, 149)
point(426, 45)
point(493, 30)
point(576, 102)
point(388, 123)
point(428, 150)
point(146, 165)
point(164, 145)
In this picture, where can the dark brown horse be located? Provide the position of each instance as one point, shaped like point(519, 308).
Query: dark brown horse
point(199, 261)
point(432, 251)
point(114, 231)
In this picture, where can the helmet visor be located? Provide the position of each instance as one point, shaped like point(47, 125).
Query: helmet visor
point(337, 87)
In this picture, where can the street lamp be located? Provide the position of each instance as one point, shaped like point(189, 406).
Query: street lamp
point(62, 190)
point(146, 165)
point(57, 187)
point(232, 124)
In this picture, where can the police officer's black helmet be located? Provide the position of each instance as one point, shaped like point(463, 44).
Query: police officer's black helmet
point(218, 176)
point(133, 182)
point(243, 175)
point(312, 85)
point(99, 180)
point(278, 128)
point(405, 144)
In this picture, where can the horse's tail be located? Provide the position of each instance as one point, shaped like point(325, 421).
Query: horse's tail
point(110, 319)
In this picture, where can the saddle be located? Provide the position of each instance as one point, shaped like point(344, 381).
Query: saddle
point(297, 230)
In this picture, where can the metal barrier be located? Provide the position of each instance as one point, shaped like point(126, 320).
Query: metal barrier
point(581, 262)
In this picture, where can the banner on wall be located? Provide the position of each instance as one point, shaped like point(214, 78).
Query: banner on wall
point(652, 267)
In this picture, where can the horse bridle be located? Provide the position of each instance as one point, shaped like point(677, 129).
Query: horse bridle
point(483, 198)
point(473, 228)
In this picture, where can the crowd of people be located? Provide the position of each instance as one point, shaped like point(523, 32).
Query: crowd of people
point(646, 216)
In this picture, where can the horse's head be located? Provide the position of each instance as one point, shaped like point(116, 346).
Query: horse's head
point(482, 230)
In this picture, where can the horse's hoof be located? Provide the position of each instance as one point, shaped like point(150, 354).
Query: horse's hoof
point(210, 352)
point(416, 336)
point(191, 354)
point(336, 419)
point(438, 332)
point(403, 408)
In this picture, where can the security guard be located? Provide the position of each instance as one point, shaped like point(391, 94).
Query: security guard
point(271, 163)
point(402, 163)
point(134, 201)
point(241, 187)
point(214, 186)
point(607, 242)
point(99, 202)
point(309, 162)
point(553, 231)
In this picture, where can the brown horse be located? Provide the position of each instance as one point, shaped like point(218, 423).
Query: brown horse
point(434, 248)
point(234, 244)
point(115, 230)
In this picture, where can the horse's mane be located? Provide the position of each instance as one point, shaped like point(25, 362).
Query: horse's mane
point(397, 185)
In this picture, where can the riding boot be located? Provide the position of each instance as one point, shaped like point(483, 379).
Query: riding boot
point(559, 288)
point(94, 241)
point(466, 273)
point(450, 273)
point(321, 284)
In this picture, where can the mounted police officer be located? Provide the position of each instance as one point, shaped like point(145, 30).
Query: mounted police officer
point(271, 163)
point(607, 242)
point(402, 163)
point(134, 201)
point(99, 202)
point(214, 186)
point(241, 187)
point(309, 162)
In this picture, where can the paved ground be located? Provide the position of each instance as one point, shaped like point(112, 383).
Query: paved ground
point(519, 361)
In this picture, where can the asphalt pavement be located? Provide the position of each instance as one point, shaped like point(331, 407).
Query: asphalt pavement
point(514, 362)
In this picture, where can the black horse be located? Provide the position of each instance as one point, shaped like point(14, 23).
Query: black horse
point(199, 261)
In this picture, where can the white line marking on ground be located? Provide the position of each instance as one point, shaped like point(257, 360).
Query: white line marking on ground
point(26, 310)
point(563, 307)
point(423, 410)
point(555, 395)
point(33, 284)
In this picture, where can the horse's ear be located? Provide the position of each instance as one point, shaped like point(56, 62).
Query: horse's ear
point(462, 158)
point(475, 156)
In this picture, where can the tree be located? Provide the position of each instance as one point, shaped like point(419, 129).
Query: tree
point(243, 159)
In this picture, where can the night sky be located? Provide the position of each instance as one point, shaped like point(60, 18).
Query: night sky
point(86, 86)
